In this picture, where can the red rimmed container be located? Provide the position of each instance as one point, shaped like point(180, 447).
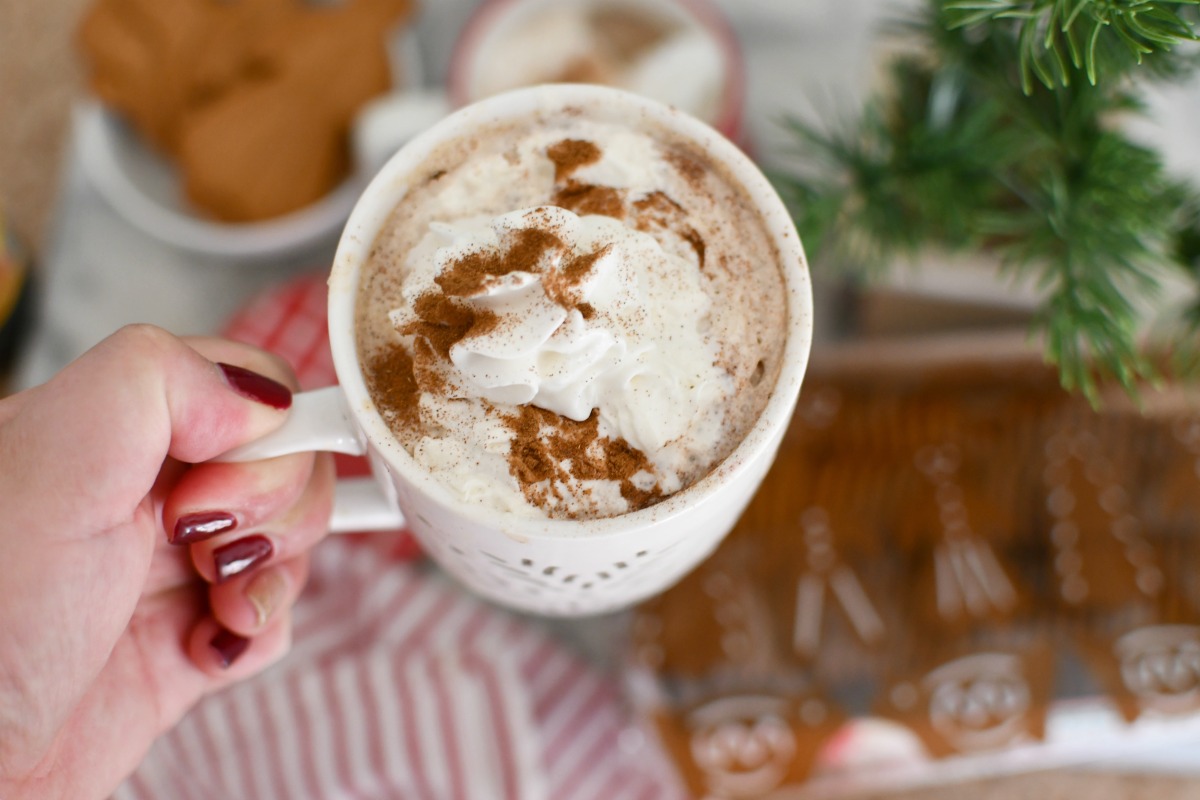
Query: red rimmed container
point(496, 20)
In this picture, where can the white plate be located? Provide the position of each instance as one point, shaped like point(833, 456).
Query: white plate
point(145, 188)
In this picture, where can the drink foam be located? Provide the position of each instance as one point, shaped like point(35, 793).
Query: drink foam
point(571, 319)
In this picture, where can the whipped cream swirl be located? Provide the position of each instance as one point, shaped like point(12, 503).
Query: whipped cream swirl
point(598, 318)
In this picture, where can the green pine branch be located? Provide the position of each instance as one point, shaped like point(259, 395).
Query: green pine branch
point(1093, 228)
point(963, 152)
point(1058, 38)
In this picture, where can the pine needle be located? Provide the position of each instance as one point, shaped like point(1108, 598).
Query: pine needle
point(1047, 30)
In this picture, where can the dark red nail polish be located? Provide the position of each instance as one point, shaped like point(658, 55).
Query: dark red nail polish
point(192, 528)
point(257, 387)
point(237, 557)
point(228, 646)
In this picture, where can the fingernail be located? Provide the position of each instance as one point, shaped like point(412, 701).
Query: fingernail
point(237, 557)
point(257, 387)
point(192, 528)
point(228, 646)
point(265, 592)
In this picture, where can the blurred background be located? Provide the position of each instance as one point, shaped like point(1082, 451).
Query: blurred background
point(959, 578)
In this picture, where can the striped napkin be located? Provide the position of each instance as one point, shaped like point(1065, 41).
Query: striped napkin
point(399, 684)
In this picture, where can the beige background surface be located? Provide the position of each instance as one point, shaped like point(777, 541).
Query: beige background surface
point(39, 76)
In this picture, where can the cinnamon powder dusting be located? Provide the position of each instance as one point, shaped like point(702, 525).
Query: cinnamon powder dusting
point(548, 452)
point(579, 267)
point(443, 323)
point(658, 209)
point(586, 198)
point(570, 155)
point(560, 286)
point(393, 384)
point(697, 242)
point(691, 169)
point(658, 203)
point(549, 456)
point(469, 275)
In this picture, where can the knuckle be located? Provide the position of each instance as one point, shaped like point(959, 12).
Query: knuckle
point(143, 339)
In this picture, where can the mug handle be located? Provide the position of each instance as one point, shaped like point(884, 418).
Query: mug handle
point(321, 420)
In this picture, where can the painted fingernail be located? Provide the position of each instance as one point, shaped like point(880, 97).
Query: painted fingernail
point(192, 528)
point(237, 557)
point(257, 387)
point(265, 592)
point(228, 646)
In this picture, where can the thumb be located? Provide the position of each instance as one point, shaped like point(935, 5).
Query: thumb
point(79, 457)
point(81, 451)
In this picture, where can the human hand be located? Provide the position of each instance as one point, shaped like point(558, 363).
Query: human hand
point(108, 632)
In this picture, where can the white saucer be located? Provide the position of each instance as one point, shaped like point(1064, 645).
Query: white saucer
point(145, 188)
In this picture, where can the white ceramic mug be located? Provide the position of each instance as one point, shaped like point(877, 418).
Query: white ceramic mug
point(546, 566)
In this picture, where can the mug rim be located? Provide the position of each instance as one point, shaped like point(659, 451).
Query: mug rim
point(388, 188)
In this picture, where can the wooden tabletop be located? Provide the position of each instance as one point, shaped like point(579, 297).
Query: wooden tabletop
point(1062, 786)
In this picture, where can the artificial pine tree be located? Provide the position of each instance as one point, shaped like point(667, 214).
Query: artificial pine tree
point(1002, 132)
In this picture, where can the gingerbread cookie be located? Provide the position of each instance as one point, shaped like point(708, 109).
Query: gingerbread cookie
point(253, 99)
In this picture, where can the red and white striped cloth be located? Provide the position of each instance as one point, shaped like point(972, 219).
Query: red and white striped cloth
point(399, 684)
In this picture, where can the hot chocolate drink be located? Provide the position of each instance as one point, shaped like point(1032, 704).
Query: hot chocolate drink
point(571, 318)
